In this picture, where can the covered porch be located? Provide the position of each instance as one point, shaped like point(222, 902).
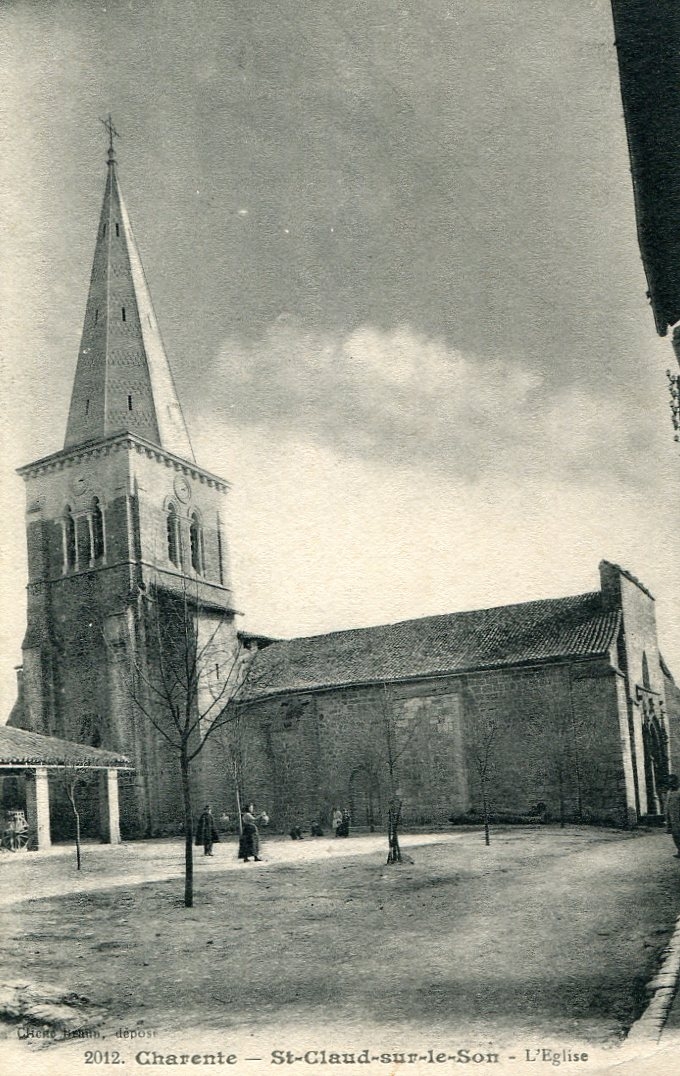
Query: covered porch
point(27, 761)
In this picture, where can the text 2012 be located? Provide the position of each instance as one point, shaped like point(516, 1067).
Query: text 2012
point(103, 1057)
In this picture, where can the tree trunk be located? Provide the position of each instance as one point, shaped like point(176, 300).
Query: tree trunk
point(485, 810)
point(71, 793)
point(394, 817)
point(77, 837)
point(188, 831)
point(239, 812)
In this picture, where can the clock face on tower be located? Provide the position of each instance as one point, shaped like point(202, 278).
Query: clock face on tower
point(182, 489)
point(79, 485)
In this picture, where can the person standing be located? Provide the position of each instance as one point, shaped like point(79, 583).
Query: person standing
point(673, 810)
point(206, 831)
point(249, 844)
point(336, 820)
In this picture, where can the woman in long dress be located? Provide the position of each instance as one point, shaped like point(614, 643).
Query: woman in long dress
point(249, 844)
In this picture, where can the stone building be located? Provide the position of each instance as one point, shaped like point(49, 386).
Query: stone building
point(119, 517)
point(566, 701)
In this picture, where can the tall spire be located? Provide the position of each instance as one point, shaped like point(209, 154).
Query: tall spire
point(123, 379)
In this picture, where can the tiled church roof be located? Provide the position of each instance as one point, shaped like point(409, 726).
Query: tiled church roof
point(20, 747)
point(531, 632)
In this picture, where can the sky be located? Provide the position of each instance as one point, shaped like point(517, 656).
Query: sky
point(392, 251)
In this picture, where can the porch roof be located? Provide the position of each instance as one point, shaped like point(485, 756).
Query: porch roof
point(19, 747)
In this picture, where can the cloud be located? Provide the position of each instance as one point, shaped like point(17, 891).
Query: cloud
point(410, 400)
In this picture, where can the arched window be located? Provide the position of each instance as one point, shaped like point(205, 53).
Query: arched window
point(69, 538)
point(173, 535)
point(97, 530)
point(196, 537)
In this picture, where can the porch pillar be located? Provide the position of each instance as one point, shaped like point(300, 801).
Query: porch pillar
point(109, 814)
point(38, 808)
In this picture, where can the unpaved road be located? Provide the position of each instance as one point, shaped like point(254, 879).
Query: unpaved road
point(547, 936)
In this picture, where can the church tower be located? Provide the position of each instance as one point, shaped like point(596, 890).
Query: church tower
point(121, 517)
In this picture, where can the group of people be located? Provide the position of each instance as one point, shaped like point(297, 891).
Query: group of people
point(315, 830)
point(207, 833)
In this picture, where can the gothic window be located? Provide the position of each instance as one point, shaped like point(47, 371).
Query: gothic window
point(69, 538)
point(196, 537)
point(97, 530)
point(173, 535)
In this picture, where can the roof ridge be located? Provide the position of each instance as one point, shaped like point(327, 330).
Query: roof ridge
point(547, 630)
point(438, 616)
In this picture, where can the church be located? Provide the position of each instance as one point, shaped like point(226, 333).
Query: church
point(561, 708)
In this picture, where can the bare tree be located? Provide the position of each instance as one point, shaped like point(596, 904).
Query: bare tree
point(193, 668)
point(74, 779)
point(396, 739)
point(232, 738)
point(483, 732)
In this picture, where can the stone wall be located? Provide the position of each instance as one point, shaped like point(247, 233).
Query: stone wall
point(555, 739)
point(553, 735)
point(673, 710)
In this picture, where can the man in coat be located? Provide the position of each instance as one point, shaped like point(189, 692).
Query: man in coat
point(206, 831)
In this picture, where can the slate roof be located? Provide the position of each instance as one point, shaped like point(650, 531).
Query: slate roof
point(122, 356)
point(21, 747)
point(532, 632)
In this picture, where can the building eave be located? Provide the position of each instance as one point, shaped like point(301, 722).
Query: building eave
point(75, 764)
point(101, 446)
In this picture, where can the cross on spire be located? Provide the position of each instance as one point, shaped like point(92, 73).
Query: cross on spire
point(113, 133)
